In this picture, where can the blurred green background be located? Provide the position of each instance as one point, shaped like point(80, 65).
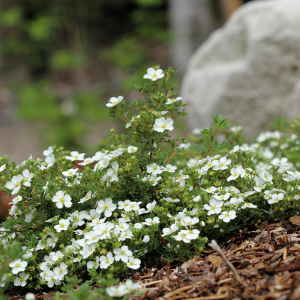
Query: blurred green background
point(61, 60)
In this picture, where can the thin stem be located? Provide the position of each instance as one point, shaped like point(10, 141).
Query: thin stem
point(213, 244)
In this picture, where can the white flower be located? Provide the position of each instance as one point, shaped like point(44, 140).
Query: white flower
point(133, 263)
point(50, 160)
point(106, 206)
point(152, 179)
point(171, 200)
point(291, 176)
point(75, 156)
point(173, 100)
point(112, 173)
point(154, 74)
point(54, 256)
point(15, 184)
point(184, 146)
point(221, 164)
point(163, 112)
point(132, 149)
point(62, 200)
point(154, 169)
point(21, 280)
point(122, 289)
point(87, 161)
point(150, 222)
point(113, 101)
point(268, 135)
point(2, 168)
point(193, 162)
point(267, 153)
point(163, 124)
point(170, 168)
point(102, 159)
point(211, 189)
point(48, 151)
point(29, 296)
point(274, 196)
point(197, 131)
point(236, 172)
point(214, 207)
point(128, 205)
point(282, 163)
point(63, 225)
point(50, 277)
point(138, 226)
point(16, 200)
point(168, 231)
point(29, 216)
point(60, 271)
point(187, 221)
point(248, 205)
point(18, 266)
point(92, 265)
point(232, 189)
point(197, 198)
point(117, 291)
point(123, 254)
point(101, 231)
point(235, 201)
point(180, 179)
point(265, 175)
point(27, 177)
point(117, 152)
point(259, 184)
point(227, 216)
point(92, 237)
point(70, 172)
point(129, 124)
point(87, 250)
point(87, 197)
point(106, 261)
point(187, 236)
point(3, 280)
point(130, 285)
point(235, 129)
point(146, 239)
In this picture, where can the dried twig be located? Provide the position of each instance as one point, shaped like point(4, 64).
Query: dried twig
point(214, 245)
point(215, 297)
point(151, 283)
point(180, 290)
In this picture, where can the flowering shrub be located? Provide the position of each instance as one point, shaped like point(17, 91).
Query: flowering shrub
point(143, 197)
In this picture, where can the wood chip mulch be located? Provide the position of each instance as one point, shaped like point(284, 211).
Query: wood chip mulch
point(266, 266)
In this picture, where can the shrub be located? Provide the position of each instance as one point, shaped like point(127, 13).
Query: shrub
point(144, 197)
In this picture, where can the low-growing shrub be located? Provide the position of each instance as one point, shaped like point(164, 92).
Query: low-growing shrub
point(145, 197)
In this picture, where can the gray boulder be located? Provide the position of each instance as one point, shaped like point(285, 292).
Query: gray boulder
point(249, 70)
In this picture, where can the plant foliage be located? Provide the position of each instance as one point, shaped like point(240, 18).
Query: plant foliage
point(143, 198)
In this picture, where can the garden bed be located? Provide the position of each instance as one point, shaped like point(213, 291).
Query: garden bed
point(79, 225)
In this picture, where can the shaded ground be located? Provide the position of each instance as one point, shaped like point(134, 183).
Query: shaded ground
point(19, 141)
point(267, 262)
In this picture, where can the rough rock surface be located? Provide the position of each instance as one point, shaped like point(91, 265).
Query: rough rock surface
point(249, 70)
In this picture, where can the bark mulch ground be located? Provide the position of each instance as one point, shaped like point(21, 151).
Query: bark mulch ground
point(262, 265)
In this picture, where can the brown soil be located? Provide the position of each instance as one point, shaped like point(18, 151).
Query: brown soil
point(266, 262)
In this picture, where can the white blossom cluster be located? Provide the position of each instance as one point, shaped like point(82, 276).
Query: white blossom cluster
point(107, 212)
point(123, 289)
